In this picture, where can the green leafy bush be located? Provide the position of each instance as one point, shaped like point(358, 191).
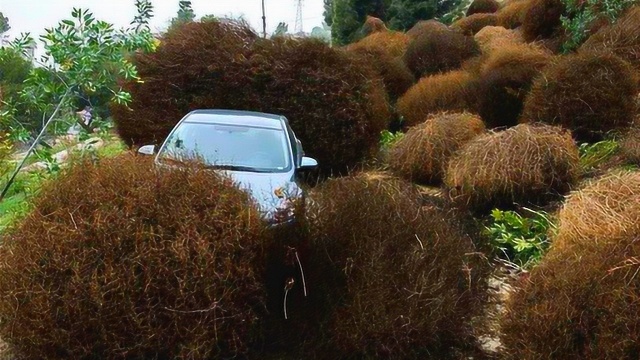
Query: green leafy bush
point(593, 155)
point(582, 18)
point(388, 138)
point(522, 240)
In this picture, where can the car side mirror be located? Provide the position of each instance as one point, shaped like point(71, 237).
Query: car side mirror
point(147, 150)
point(308, 163)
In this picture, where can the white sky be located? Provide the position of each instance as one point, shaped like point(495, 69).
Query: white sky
point(35, 15)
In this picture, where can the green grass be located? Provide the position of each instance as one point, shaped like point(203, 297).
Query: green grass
point(13, 209)
point(20, 196)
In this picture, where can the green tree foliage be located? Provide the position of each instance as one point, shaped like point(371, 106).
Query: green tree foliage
point(328, 12)
point(82, 56)
point(349, 16)
point(185, 12)
point(403, 14)
point(281, 30)
point(580, 16)
point(4, 24)
point(14, 70)
point(323, 33)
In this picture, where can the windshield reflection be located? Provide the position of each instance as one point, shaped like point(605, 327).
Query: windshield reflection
point(228, 147)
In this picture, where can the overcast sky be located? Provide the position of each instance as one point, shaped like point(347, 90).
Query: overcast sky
point(35, 15)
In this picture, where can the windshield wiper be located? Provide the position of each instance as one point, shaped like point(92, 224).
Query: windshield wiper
point(236, 168)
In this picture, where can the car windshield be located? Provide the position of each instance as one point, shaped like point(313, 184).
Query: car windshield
point(231, 147)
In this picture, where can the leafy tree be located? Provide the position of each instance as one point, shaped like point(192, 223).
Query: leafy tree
point(209, 17)
point(281, 29)
point(403, 14)
point(349, 16)
point(323, 33)
point(185, 12)
point(328, 12)
point(14, 70)
point(4, 24)
point(82, 56)
point(457, 12)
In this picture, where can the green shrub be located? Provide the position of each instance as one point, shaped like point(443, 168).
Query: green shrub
point(594, 155)
point(14, 69)
point(388, 138)
point(521, 240)
point(584, 18)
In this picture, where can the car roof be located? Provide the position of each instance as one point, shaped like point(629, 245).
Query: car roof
point(236, 117)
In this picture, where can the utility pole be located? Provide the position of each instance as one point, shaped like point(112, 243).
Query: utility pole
point(299, 29)
point(264, 22)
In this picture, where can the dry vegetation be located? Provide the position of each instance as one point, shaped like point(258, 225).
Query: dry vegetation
point(471, 24)
point(511, 15)
point(581, 301)
point(349, 104)
point(438, 50)
point(523, 165)
point(425, 26)
point(452, 91)
point(122, 261)
point(621, 38)
point(505, 79)
point(373, 242)
point(395, 75)
point(586, 93)
point(492, 38)
point(422, 154)
point(541, 19)
point(630, 146)
point(483, 7)
point(605, 207)
point(392, 42)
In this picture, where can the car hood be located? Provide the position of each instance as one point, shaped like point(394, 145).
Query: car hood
point(262, 187)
